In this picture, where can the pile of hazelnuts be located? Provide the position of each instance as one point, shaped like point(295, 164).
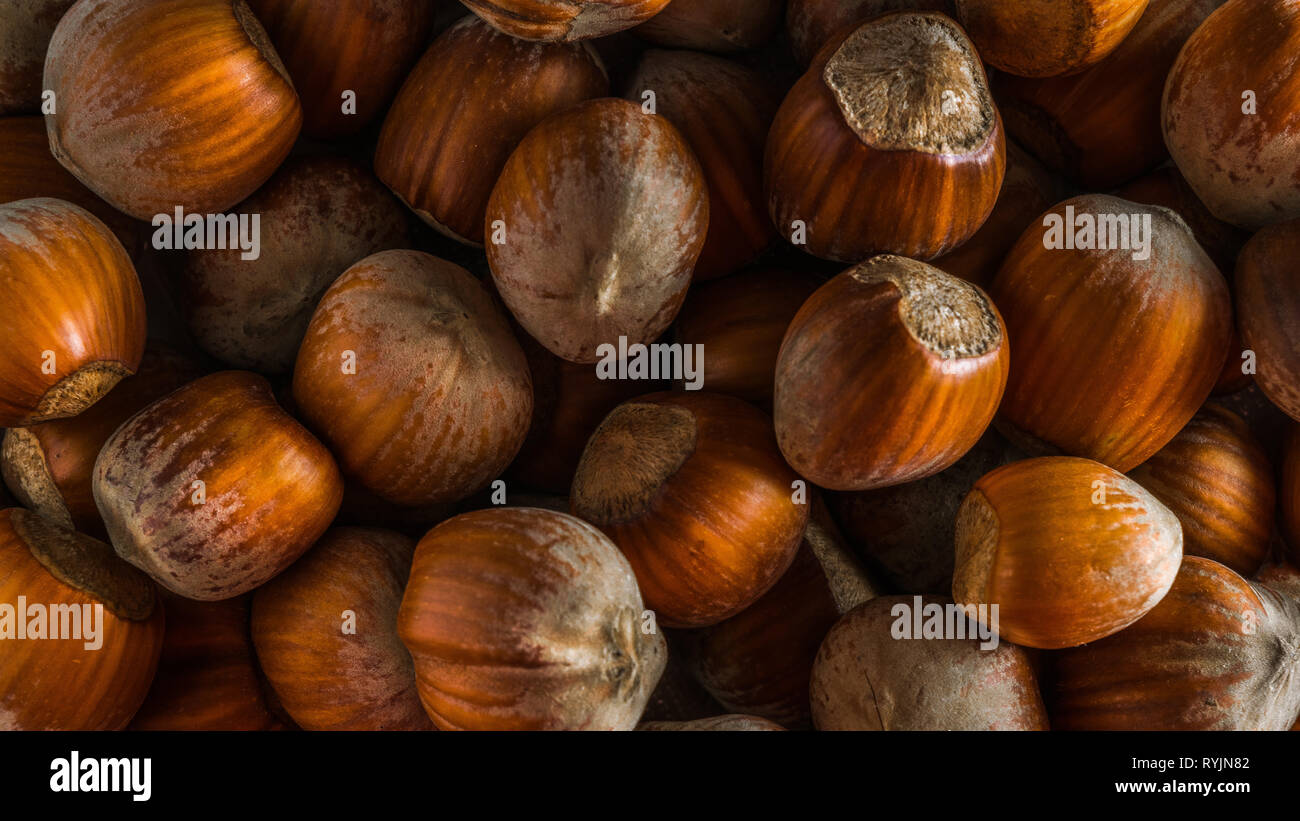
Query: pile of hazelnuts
point(312, 419)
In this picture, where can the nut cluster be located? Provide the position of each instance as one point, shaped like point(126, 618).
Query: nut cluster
point(663, 364)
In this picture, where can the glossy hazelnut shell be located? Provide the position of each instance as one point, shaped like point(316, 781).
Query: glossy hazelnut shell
point(605, 210)
point(51, 465)
point(441, 398)
point(270, 489)
point(1217, 653)
point(73, 305)
point(1101, 127)
point(327, 678)
point(691, 487)
point(888, 374)
point(723, 110)
point(1241, 165)
point(1164, 324)
point(464, 107)
point(1268, 311)
point(362, 46)
point(1046, 38)
point(166, 103)
point(1217, 479)
point(526, 619)
point(1069, 550)
point(319, 215)
point(208, 677)
point(575, 20)
point(866, 678)
point(857, 196)
point(48, 684)
point(1167, 187)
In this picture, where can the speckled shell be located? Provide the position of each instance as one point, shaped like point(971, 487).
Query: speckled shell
point(319, 215)
point(362, 46)
point(168, 102)
point(527, 619)
point(1241, 165)
point(464, 108)
point(730, 723)
point(723, 110)
point(1218, 653)
point(68, 290)
point(25, 30)
point(326, 678)
point(441, 398)
point(50, 684)
point(866, 678)
point(1110, 356)
point(605, 211)
point(270, 489)
point(567, 20)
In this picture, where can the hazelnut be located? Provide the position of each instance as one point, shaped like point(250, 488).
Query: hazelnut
point(1045, 38)
point(889, 143)
point(811, 23)
point(214, 489)
point(527, 619)
point(1267, 306)
point(572, 20)
point(1068, 550)
point(691, 487)
point(713, 25)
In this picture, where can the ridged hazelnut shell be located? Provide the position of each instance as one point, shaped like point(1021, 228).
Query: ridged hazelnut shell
point(723, 110)
point(59, 684)
point(1218, 480)
point(1241, 165)
point(890, 143)
point(888, 374)
point(326, 677)
point(1163, 323)
point(1101, 127)
point(208, 677)
point(1046, 38)
point(165, 103)
point(1217, 653)
point(269, 488)
point(691, 487)
point(441, 398)
point(605, 211)
point(73, 306)
point(362, 46)
point(867, 678)
point(464, 107)
point(527, 619)
point(1069, 550)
